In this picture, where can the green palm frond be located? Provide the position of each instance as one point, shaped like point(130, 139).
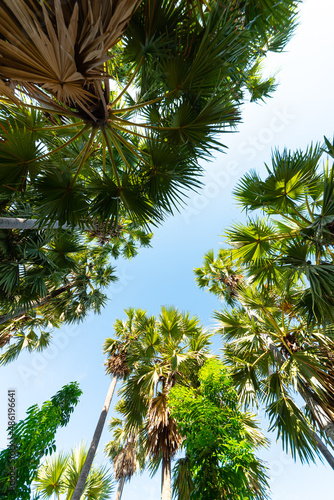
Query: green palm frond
point(291, 172)
point(251, 242)
point(183, 484)
point(95, 149)
point(50, 477)
point(259, 88)
point(293, 429)
point(59, 475)
point(282, 14)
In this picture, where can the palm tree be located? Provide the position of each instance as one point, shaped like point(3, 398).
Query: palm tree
point(76, 153)
point(47, 278)
point(279, 271)
point(125, 464)
point(96, 148)
point(126, 450)
point(118, 366)
point(169, 351)
point(296, 248)
point(59, 475)
point(51, 275)
point(294, 237)
point(274, 352)
point(50, 476)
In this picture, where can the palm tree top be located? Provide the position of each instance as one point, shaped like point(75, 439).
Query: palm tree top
point(59, 475)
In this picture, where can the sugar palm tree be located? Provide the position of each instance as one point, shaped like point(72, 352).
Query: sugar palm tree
point(50, 476)
point(126, 450)
point(293, 243)
point(125, 464)
point(279, 271)
point(96, 146)
point(169, 351)
point(293, 239)
point(118, 365)
point(274, 353)
point(58, 476)
point(47, 278)
point(51, 275)
point(75, 151)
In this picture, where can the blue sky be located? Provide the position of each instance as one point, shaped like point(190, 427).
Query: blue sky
point(299, 112)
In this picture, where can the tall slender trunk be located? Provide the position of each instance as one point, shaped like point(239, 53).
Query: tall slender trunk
point(120, 488)
point(324, 450)
point(37, 304)
point(166, 490)
point(79, 488)
point(319, 414)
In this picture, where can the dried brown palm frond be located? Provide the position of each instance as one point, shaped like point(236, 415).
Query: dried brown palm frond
point(117, 365)
point(163, 438)
point(7, 91)
point(104, 231)
point(125, 463)
point(5, 338)
point(61, 48)
point(232, 282)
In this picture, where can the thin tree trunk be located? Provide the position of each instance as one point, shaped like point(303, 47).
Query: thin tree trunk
point(40, 303)
point(319, 414)
point(166, 491)
point(18, 223)
point(120, 488)
point(324, 450)
point(79, 488)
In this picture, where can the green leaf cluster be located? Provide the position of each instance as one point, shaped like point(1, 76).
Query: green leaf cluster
point(220, 457)
point(31, 439)
point(178, 72)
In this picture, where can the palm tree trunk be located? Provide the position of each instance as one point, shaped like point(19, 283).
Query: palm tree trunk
point(166, 491)
point(18, 223)
point(79, 488)
point(6, 317)
point(120, 488)
point(324, 450)
point(319, 414)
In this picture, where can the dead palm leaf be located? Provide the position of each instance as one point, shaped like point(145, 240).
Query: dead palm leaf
point(163, 438)
point(125, 462)
point(117, 365)
point(60, 48)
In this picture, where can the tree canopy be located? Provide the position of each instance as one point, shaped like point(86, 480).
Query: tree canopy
point(275, 279)
point(104, 115)
point(118, 119)
point(293, 239)
point(219, 451)
point(31, 439)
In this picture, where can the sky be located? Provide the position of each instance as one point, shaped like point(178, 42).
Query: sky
point(299, 112)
